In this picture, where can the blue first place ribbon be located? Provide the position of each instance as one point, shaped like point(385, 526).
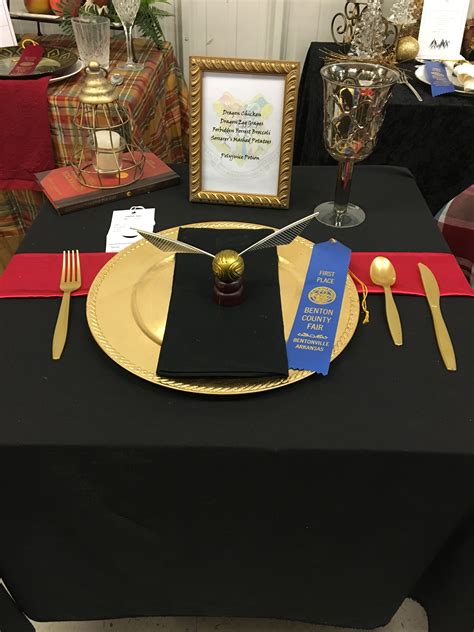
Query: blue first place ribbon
point(311, 340)
point(438, 78)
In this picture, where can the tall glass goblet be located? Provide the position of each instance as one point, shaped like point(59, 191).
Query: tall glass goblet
point(127, 11)
point(355, 96)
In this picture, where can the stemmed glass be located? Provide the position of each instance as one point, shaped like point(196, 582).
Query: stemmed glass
point(127, 11)
point(355, 96)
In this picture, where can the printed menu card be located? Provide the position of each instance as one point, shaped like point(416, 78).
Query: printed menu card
point(442, 28)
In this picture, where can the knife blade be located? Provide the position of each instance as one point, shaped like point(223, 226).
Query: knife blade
point(442, 335)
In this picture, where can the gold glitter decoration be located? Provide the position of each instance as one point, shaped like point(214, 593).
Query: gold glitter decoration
point(407, 49)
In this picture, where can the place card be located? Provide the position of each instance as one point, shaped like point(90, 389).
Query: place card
point(442, 28)
point(122, 231)
point(312, 336)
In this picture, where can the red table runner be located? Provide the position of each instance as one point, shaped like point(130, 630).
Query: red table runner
point(445, 267)
point(38, 274)
point(25, 138)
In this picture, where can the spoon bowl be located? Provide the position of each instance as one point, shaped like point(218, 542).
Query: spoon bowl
point(382, 272)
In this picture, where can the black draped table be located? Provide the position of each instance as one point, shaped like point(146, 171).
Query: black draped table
point(325, 501)
point(433, 138)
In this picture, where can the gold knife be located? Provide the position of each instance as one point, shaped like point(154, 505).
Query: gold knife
point(442, 336)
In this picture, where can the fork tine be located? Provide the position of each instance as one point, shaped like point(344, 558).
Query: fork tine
point(78, 268)
point(68, 271)
point(73, 266)
point(63, 271)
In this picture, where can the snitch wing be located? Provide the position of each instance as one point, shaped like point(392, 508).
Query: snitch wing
point(166, 244)
point(281, 237)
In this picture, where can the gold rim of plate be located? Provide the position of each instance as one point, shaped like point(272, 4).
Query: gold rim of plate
point(128, 326)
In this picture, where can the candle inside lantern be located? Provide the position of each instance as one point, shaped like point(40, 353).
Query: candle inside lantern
point(108, 149)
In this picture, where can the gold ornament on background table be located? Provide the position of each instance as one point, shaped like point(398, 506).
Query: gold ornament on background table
point(106, 154)
point(403, 15)
point(407, 48)
point(228, 265)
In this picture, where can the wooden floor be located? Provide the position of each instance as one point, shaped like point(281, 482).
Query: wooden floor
point(8, 246)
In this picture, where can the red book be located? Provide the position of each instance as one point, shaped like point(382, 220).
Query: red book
point(67, 194)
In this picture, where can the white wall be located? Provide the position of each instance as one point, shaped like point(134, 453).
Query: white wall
point(255, 28)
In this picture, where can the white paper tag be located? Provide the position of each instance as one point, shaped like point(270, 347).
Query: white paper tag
point(442, 28)
point(121, 232)
point(7, 34)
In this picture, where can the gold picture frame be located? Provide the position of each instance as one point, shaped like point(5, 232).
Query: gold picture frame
point(274, 174)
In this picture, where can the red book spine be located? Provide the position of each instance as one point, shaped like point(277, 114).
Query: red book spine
point(67, 194)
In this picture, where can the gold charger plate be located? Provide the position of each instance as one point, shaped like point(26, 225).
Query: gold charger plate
point(128, 302)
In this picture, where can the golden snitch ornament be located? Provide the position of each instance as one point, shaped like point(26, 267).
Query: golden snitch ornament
point(228, 269)
point(228, 265)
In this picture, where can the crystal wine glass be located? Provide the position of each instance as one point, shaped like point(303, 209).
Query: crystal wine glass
point(355, 96)
point(127, 11)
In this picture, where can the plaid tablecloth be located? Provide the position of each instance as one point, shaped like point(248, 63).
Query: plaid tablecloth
point(157, 97)
point(456, 222)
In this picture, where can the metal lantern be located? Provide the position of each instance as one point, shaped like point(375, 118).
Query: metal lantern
point(106, 155)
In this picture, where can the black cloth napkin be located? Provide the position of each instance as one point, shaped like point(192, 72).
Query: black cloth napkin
point(203, 339)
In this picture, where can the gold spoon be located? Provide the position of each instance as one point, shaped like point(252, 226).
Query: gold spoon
point(383, 273)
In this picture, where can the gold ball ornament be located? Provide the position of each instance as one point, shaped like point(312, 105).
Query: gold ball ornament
point(407, 49)
point(228, 266)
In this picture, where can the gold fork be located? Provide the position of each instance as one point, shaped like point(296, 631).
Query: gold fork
point(70, 282)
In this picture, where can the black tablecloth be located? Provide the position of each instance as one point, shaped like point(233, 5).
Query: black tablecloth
point(325, 501)
point(433, 139)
